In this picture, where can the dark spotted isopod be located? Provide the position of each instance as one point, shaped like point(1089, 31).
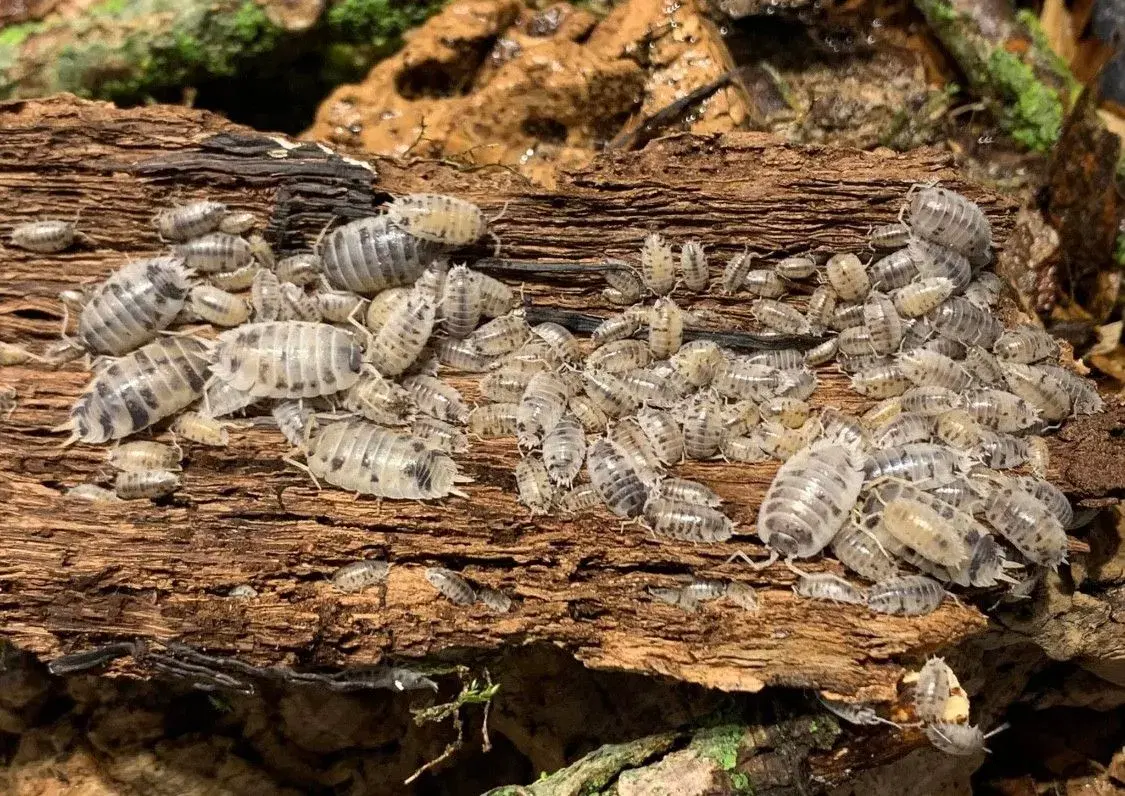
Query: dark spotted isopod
point(47, 236)
point(906, 595)
point(446, 220)
point(360, 575)
point(189, 221)
point(133, 305)
point(613, 475)
point(451, 586)
point(369, 255)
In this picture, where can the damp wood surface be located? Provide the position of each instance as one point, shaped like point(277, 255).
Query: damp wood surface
point(75, 575)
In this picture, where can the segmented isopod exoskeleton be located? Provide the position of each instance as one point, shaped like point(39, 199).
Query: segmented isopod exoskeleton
point(297, 305)
point(663, 433)
point(1038, 456)
point(693, 266)
point(985, 289)
point(587, 412)
point(133, 305)
point(855, 340)
point(1000, 410)
point(144, 455)
point(213, 252)
point(687, 522)
point(220, 399)
point(741, 448)
point(92, 493)
point(237, 222)
point(301, 269)
point(438, 218)
point(439, 434)
point(916, 299)
point(135, 391)
point(541, 405)
point(930, 369)
point(140, 484)
point(383, 304)
point(451, 586)
point(564, 450)
point(734, 273)
point(396, 345)
point(265, 296)
point(882, 413)
point(296, 422)
point(502, 335)
point(764, 282)
point(665, 329)
point(958, 429)
point(261, 252)
point(933, 690)
point(625, 285)
point(848, 276)
point(462, 355)
point(930, 400)
point(796, 267)
point(881, 317)
point(371, 254)
point(361, 457)
point(809, 499)
point(779, 317)
point(582, 498)
point(1084, 396)
point(194, 427)
point(1001, 451)
point(889, 236)
point(620, 356)
point(686, 491)
point(562, 343)
point(790, 412)
point(339, 306)
point(506, 384)
point(1039, 388)
point(631, 439)
point(906, 595)
point(534, 485)
point(841, 429)
point(926, 528)
point(703, 427)
point(47, 236)
point(903, 429)
point(782, 442)
point(966, 323)
point(845, 316)
point(1026, 344)
point(821, 308)
point(963, 740)
point(698, 361)
point(380, 400)
point(853, 713)
point(924, 464)
point(740, 417)
point(189, 221)
point(826, 586)
point(881, 381)
point(820, 354)
point(619, 326)
point(494, 420)
point(613, 475)
point(738, 378)
point(896, 270)
point(983, 367)
point(461, 303)
point(436, 398)
point(218, 306)
point(1027, 523)
point(610, 393)
point(658, 265)
point(858, 550)
point(287, 360)
point(494, 600)
point(1050, 496)
point(948, 218)
point(360, 575)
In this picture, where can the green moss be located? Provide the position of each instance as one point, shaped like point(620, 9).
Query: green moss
point(741, 783)
point(379, 23)
point(720, 743)
point(1046, 54)
point(1119, 250)
point(14, 35)
point(111, 8)
point(1032, 113)
point(939, 11)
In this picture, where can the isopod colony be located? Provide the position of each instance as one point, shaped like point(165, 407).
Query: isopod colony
point(941, 484)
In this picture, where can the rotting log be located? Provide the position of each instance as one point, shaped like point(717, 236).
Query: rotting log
point(76, 576)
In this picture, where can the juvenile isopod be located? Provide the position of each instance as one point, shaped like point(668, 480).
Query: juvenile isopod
point(93, 493)
point(739, 378)
point(934, 699)
point(1050, 496)
point(339, 306)
point(966, 323)
point(400, 340)
point(881, 381)
point(882, 413)
point(502, 335)
point(380, 400)
point(764, 282)
point(625, 286)
point(462, 355)
point(666, 328)
point(287, 359)
point(915, 299)
point(534, 485)
point(189, 221)
point(820, 354)
point(494, 600)
point(741, 448)
point(297, 305)
point(906, 595)
point(924, 464)
point(301, 269)
point(1039, 388)
point(859, 550)
point(854, 713)
point(194, 427)
point(687, 522)
point(881, 317)
point(847, 315)
point(985, 289)
point(133, 305)
point(144, 455)
point(962, 740)
point(494, 420)
point(364, 458)
point(265, 296)
point(1028, 524)
point(782, 442)
point(930, 369)
point(1000, 410)
point(848, 276)
point(930, 400)
point(1001, 451)
point(613, 475)
point(664, 434)
point(779, 317)
point(439, 434)
point(620, 356)
point(934, 260)
point(685, 491)
point(237, 222)
point(658, 265)
point(1084, 396)
point(564, 450)
point(296, 422)
point(821, 308)
point(47, 236)
point(889, 236)
point(796, 267)
point(215, 252)
point(434, 397)
point(703, 427)
point(371, 254)
point(218, 306)
point(983, 367)
point(632, 441)
point(826, 586)
point(451, 586)
point(559, 339)
point(438, 218)
point(903, 429)
point(920, 526)
point(856, 341)
point(582, 497)
point(141, 484)
point(693, 267)
point(540, 407)
point(948, 218)
point(135, 391)
point(958, 429)
point(609, 393)
point(1026, 344)
point(734, 274)
point(809, 499)
point(843, 429)
point(461, 302)
point(1038, 456)
point(620, 326)
point(360, 575)
point(790, 412)
point(895, 270)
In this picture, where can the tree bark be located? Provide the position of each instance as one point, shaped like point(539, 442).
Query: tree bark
point(75, 575)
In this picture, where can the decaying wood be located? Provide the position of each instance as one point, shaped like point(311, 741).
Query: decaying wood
point(74, 576)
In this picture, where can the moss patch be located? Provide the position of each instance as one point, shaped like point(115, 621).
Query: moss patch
point(1032, 113)
point(720, 743)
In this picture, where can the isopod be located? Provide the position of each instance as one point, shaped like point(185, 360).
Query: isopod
point(1084, 396)
point(533, 483)
point(265, 296)
point(92, 493)
point(300, 269)
point(658, 265)
point(985, 289)
point(581, 498)
point(693, 266)
point(826, 586)
point(619, 326)
point(859, 550)
point(47, 236)
point(451, 586)
point(609, 393)
point(620, 356)
point(687, 522)
point(685, 491)
point(906, 595)
point(140, 484)
point(612, 474)
point(933, 692)
point(881, 381)
point(438, 218)
point(779, 317)
point(494, 600)
point(881, 317)
point(962, 740)
point(948, 218)
point(215, 252)
point(360, 575)
point(741, 448)
point(933, 260)
point(889, 236)
point(494, 420)
point(135, 391)
point(564, 450)
point(189, 221)
point(237, 222)
point(739, 378)
point(809, 499)
point(361, 457)
point(218, 306)
point(540, 407)
point(920, 526)
point(559, 339)
point(633, 442)
point(764, 282)
point(903, 429)
point(734, 274)
point(790, 412)
point(796, 267)
point(1039, 388)
point(1000, 410)
point(703, 427)
point(434, 397)
point(296, 422)
point(924, 464)
point(439, 434)
point(625, 286)
point(1028, 524)
point(821, 308)
point(664, 434)
point(297, 305)
point(380, 400)
point(848, 276)
point(194, 427)
point(930, 369)
point(144, 455)
point(502, 335)
point(665, 329)
point(133, 305)
point(1026, 344)
point(966, 323)
point(339, 306)
point(930, 400)
point(1050, 496)
point(916, 299)
point(844, 430)
point(400, 340)
point(369, 255)
point(820, 354)
point(462, 355)
point(896, 270)
point(461, 302)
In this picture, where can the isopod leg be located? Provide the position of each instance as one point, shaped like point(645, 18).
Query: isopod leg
point(304, 467)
